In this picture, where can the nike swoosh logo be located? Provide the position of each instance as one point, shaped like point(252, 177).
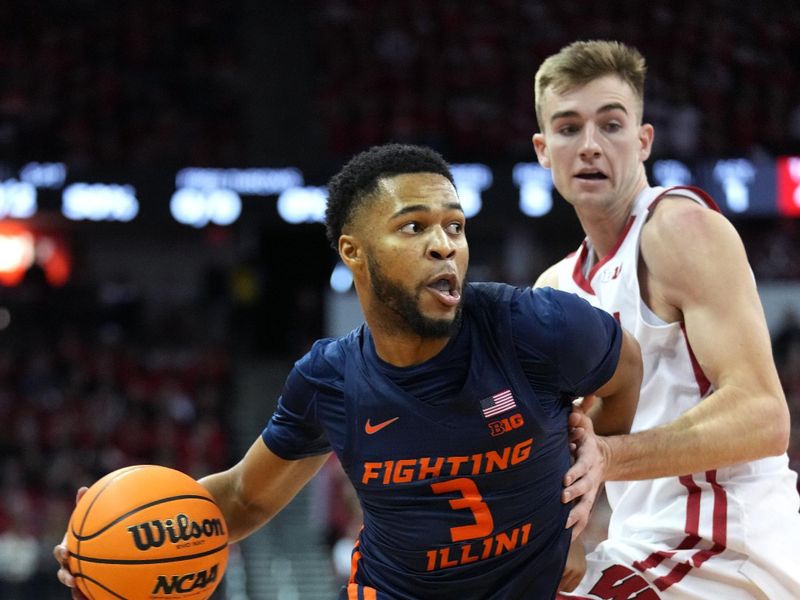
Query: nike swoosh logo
point(370, 428)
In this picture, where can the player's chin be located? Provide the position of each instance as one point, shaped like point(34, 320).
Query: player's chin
point(441, 316)
point(442, 325)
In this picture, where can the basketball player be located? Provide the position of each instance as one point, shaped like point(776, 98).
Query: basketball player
point(703, 503)
point(448, 409)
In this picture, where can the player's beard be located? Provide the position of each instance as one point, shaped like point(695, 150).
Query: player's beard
point(405, 307)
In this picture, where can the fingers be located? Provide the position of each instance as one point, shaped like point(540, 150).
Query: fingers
point(578, 418)
point(583, 479)
point(577, 434)
point(583, 491)
point(579, 515)
point(64, 576)
point(575, 472)
point(61, 555)
point(587, 402)
point(584, 462)
point(577, 482)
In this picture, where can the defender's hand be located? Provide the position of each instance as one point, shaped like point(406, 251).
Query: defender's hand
point(583, 480)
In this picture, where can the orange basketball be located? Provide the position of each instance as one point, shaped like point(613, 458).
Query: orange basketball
point(147, 532)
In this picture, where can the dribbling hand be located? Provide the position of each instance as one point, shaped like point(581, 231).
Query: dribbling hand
point(61, 555)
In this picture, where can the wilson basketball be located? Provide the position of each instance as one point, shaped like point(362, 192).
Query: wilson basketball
point(147, 532)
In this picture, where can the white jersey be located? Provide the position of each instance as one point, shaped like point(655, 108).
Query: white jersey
point(729, 533)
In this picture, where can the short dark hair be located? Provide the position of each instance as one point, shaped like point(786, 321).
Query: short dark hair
point(359, 178)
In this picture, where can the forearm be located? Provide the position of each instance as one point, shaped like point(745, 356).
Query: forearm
point(259, 487)
point(731, 426)
point(240, 518)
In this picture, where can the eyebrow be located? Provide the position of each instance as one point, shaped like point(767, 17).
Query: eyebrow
point(603, 109)
point(425, 208)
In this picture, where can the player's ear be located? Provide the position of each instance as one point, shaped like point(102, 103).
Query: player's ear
point(350, 251)
point(646, 134)
point(540, 145)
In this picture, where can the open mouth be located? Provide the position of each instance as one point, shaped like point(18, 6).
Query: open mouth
point(445, 288)
point(592, 176)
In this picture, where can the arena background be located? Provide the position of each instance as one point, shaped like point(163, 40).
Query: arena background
point(162, 173)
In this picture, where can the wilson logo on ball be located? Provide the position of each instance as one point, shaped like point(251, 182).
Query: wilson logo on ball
point(180, 584)
point(153, 534)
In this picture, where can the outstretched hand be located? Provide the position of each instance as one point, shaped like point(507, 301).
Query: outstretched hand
point(61, 555)
point(583, 480)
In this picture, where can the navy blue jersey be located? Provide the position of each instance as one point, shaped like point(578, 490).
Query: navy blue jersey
point(458, 462)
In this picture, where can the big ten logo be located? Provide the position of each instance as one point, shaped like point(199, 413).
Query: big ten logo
point(502, 426)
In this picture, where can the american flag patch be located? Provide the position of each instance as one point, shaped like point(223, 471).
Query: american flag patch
point(500, 402)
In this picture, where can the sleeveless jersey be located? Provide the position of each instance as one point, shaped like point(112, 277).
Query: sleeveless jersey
point(461, 492)
point(742, 518)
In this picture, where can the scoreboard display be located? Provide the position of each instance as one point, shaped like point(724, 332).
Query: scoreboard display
point(197, 197)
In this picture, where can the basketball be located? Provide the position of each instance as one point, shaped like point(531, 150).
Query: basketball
point(146, 532)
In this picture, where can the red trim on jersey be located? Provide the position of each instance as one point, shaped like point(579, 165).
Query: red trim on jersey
point(719, 533)
point(702, 381)
point(678, 572)
point(692, 512)
point(577, 272)
point(695, 190)
point(719, 537)
point(691, 528)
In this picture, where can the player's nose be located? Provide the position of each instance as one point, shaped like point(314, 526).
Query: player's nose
point(590, 144)
point(441, 246)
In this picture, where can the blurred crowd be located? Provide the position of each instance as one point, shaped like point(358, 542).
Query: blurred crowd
point(142, 83)
point(86, 388)
point(117, 84)
point(722, 75)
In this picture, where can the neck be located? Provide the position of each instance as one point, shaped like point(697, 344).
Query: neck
point(405, 350)
point(604, 225)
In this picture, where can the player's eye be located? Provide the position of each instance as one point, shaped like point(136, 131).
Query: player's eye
point(455, 228)
point(412, 227)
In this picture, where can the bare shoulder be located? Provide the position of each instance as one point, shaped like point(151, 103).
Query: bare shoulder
point(549, 278)
point(684, 243)
point(679, 215)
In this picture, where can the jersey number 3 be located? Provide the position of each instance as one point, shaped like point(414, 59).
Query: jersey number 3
point(471, 499)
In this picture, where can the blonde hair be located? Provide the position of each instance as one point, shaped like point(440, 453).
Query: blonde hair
point(582, 62)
